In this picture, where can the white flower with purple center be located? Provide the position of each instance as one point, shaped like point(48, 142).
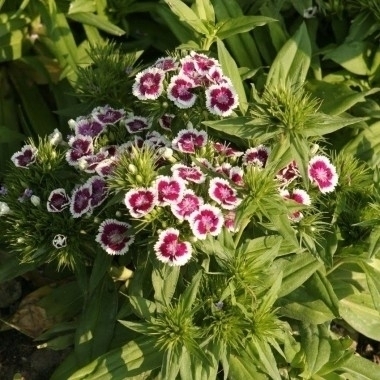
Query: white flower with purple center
point(230, 221)
point(149, 84)
point(300, 196)
point(189, 203)
point(203, 63)
point(141, 201)
point(89, 127)
point(169, 189)
point(107, 114)
point(166, 64)
point(323, 173)
point(156, 140)
point(180, 92)
point(165, 121)
point(25, 157)
point(187, 141)
point(257, 156)
point(236, 175)
point(221, 99)
point(80, 146)
point(170, 249)
point(136, 124)
point(80, 201)
point(99, 190)
point(114, 237)
point(223, 193)
point(288, 174)
point(207, 220)
point(226, 150)
point(89, 163)
point(106, 167)
point(188, 173)
point(58, 200)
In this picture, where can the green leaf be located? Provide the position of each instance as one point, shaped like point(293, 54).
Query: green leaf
point(296, 270)
point(230, 27)
point(98, 21)
point(164, 279)
point(132, 359)
point(79, 6)
point(361, 369)
point(204, 10)
point(359, 312)
point(373, 281)
point(143, 307)
point(187, 15)
point(188, 297)
point(11, 46)
point(292, 62)
point(230, 69)
point(337, 97)
point(10, 267)
point(243, 367)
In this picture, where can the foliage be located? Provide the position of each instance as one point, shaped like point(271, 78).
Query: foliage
point(215, 208)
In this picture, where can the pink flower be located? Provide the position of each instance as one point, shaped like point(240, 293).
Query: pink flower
point(140, 201)
point(170, 250)
point(149, 84)
point(229, 221)
point(189, 203)
point(236, 175)
point(114, 236)
point(221, 99)
point(300, 196)
point(288, 174)
point(188, 140)
point(98, 190)
point(135, 124)
point(226, 150)
point(169, 189)
point(207, 220)
point(58, 200)
point(107, 114)
point(166, 64)
point(203, 63)
point(88, 127)
point(257, 156)
point(90, 162)
point(80, 201)
point(106, 167)
point(25, 157)
point(223, 194)
point(179, 91)
point(80, 146)
point(322, 173)
point(187, 173)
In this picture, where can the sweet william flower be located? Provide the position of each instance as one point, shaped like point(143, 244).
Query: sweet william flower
point(322, 173)
point(136, 124)
point(149, 84)
point(169, 189)
point(141, 201)
point(180, 92)
point(114, 236)
point(88, 127)
point(188, 173)
point(107, 114)
point(257, 156)
point(25, 157)
point(221, 99)
point(58, 200)
point(187, 141)
point(189, 203)
point(300, 196)
point(207, 219)
point(170, 249)
point(80, 201)
point(80, 146)
point(223, 194)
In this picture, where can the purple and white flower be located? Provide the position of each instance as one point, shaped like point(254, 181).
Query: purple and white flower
point(171, 250)
point(58, 200)
point(166, 64)
point(89, 127)
point(322, 173)
point(300, 196)
point(99, 190)
point(187, 141)
point(25, 157)
point(107, 114)
point(135, 124)
point(223, 194)
point(180, 92)
point(169, 189)
point(114, 236)
point(188, 173)
point(80, 201)
point(80, 146)
point(189, 203)
point(221, 99)
point(257, 156)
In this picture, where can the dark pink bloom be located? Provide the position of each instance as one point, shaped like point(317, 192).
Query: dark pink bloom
point(170, 250)
point(80, 201)
point(257, 156)
point(89, 127)
point(203, 63)
point(300, 196)
point(149, 84)
point(188, 140)
point(226, 150)
point(114, 236)
point(180, 92)
point(80, 146)
point(223, 194)
point(189, 203)
point(187, 173)
point(323, 173)
point(135, 124)
point(141, 201)
point(58, 200)
point(207, 220)
point(98, 190)
point(89, 163)
point(169, 189)
point(166, 64)
point(107, 114)
point(229, 221)
point(25, 157)
point(236, 175)
point(106, 167)
point(221, 99)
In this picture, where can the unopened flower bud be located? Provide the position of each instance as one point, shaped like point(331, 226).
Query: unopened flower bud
point(36, 201)
point(314, 149)
point(82, 163)
point(132, 168)
point(4, 209)
point(139, 178)
point(72, 123)
point(55, 138)
point(189, 125)
point(118, 214)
